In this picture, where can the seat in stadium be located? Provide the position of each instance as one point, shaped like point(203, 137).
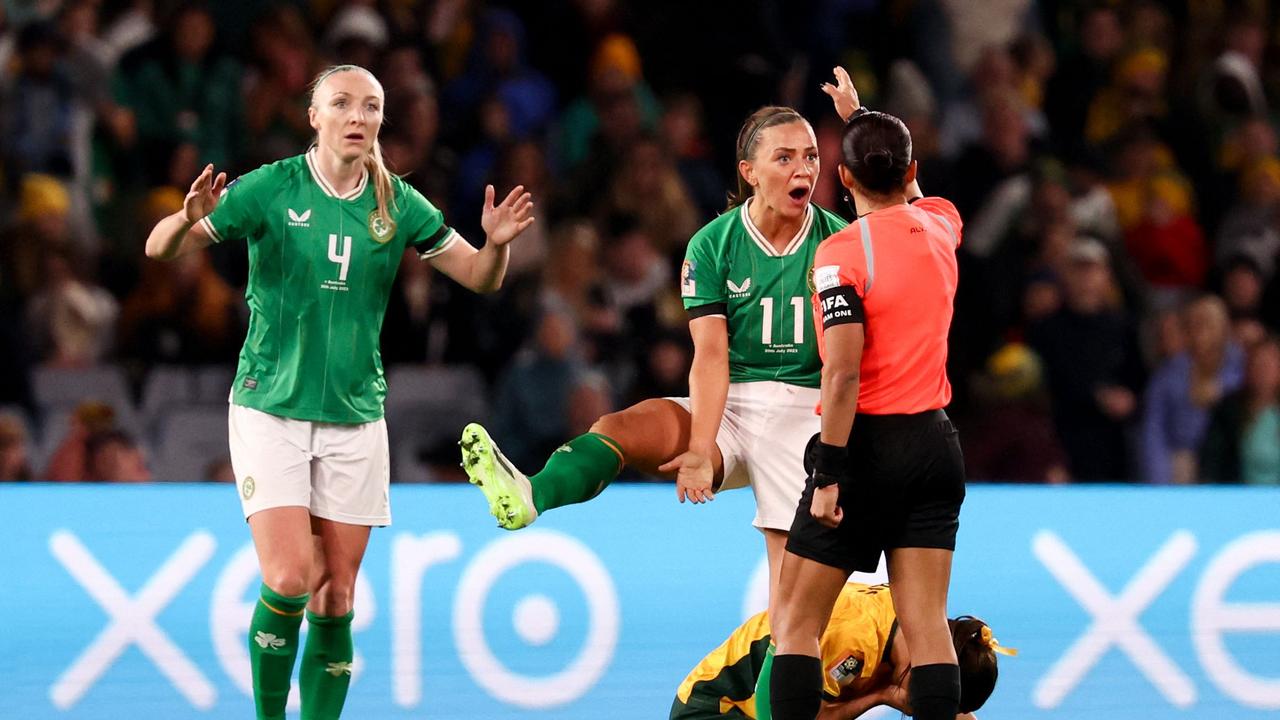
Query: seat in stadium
point(426, 410)
point(191, 438)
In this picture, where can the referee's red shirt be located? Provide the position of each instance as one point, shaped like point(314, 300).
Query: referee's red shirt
point(900, 263)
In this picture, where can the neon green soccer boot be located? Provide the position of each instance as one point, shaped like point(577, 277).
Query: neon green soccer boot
point(508, 491)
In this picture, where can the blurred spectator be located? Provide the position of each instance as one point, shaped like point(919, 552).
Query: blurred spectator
point(70, 460)
point(42, 225)
point(410, 138)
point(575, 284)
point(356, 34)
point(682, 128)
point(70, 320)
point(37, 110)
point(183, 313)
point(524, 163)
point(995, 82)
point(1093, 367)
point(1012, 437)
point(277, 87)
point(113, 456)
point(1232, 87)
point(1083, 72)
point(649, 188)
point(1183, 391)
point(184, 91)
point(532, 400)
point(134, 25)
point(15, 449)
point(1252, 226)
point(617, 106)
point(1136, 96)
point(1003, 152)
point(1242, 444)
point(1167, 244)
point(589, 400)
point(664, 371)
point(497, 69)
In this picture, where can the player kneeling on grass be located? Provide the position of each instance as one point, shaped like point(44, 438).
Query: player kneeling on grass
point(866, 660)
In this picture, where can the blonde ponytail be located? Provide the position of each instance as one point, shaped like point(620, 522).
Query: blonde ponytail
point(382, 187)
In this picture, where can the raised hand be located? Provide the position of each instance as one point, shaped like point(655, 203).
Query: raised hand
point(203, 196)
point(509, 218)
point(843, 94)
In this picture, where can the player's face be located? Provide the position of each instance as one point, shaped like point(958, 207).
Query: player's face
point(347, 113)
point(785, 167)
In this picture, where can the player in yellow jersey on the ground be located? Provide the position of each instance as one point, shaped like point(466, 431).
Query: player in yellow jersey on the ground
point(866, 663)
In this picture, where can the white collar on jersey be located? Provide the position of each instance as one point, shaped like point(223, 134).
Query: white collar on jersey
point(764, 243)
point(328, 189)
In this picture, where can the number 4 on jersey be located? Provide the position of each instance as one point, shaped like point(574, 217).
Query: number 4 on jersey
point(342, 258)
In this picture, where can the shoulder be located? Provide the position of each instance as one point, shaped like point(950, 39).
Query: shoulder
point(717, 232)
point(836, 247)
point(939, 206)
point(280, 171)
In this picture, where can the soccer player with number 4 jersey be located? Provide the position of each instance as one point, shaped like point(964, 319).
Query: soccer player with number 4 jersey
point(326, 232)
point(746, 283)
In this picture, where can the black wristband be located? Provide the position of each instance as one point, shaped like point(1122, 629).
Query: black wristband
point(829, 463)
point(862, 110)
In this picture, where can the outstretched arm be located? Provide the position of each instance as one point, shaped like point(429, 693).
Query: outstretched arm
point(482, 270)
point(181, 232)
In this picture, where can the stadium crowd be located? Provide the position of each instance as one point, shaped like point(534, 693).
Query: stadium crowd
point(1116, 163)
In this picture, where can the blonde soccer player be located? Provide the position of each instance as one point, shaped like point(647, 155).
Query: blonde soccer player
point(326, 231)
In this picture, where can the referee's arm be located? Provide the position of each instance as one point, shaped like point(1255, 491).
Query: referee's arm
point(840, 381)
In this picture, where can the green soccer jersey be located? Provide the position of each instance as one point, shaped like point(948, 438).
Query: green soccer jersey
point(321, 267)
point(730, 269)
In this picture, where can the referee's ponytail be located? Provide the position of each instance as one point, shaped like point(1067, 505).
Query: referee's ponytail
point(749, 141)
point(876, 148)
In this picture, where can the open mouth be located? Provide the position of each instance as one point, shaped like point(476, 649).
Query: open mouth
point(799, 193)
point(355, 137)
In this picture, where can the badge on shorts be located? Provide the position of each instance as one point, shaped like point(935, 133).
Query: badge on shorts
point(247, 487)
point(381, 229)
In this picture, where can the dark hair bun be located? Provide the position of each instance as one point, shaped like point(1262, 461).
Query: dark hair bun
point(881, 159)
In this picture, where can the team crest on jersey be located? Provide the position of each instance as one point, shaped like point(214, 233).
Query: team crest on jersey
point(847, 670)
point(381, 229)
point(813, 289)
point(688, 279)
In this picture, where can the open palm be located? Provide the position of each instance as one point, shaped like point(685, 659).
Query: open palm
point(204, 194)
point(502, 223)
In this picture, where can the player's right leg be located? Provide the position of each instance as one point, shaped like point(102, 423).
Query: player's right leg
point(273, 476)
point(643, 436)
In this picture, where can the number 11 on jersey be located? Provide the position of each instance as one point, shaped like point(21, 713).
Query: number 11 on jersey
point(766, 330)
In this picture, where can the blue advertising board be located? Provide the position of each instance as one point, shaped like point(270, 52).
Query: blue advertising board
point(130, 601)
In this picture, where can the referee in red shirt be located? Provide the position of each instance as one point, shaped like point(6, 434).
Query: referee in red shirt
point(894, 480)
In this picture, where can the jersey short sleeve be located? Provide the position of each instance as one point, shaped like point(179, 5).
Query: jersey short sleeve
point(856, 640)
point(423, 224)
point(702, 277)
point(240, 212)
point(945, 212)
point(840, 279)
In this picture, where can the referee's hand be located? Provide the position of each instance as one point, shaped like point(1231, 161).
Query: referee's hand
point(825, 507)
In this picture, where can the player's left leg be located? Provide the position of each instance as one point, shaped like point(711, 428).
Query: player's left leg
point(806, 594)
point(327, 656)
point(920, 577)
point(350, 486)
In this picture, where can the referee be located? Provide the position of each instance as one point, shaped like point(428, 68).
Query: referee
point(894, 481)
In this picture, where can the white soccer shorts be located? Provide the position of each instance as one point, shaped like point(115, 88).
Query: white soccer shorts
point(762, 437)
point(339, 472)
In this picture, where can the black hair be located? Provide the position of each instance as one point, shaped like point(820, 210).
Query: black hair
point(749, 140)
point(876, 148)
point(978, 670)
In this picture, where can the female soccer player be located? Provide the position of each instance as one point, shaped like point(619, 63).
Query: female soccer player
point(894, 480)
point(753, 385)
point(326, 232)
point(868, 663)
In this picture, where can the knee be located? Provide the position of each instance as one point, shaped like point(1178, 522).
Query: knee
point(617, 424)
point(287, 581)
point(611, 424)
point(335, 594)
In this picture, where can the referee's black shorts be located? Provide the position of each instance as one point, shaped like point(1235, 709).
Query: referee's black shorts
point(903, 488)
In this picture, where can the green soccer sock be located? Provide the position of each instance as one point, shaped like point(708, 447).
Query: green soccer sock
point(763, 709)
point(577, 471)
point(273, 645)
point(326, 666)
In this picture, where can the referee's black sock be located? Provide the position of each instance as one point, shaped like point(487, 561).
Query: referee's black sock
point(935, 692)
point(795, 690)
